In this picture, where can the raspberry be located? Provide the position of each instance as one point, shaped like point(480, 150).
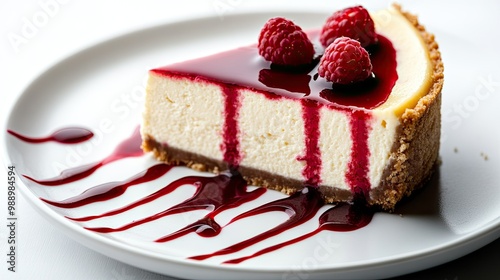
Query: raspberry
point(354, 22)
point(345, 61)
point(284, 43)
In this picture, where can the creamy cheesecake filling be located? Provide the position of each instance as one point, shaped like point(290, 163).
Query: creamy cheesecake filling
point(173, 112)
point(272, 144)
point(181, 103)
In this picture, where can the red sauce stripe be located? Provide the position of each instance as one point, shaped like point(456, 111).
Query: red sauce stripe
point(359, 164)
point(312, 153)
point(231, 145)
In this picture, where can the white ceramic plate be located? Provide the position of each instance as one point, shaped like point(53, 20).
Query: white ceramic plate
point(101, 88)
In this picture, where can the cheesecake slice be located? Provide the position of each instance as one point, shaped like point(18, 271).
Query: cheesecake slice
point(283, 130)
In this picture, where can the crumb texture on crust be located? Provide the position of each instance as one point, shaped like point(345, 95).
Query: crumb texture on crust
point(416, 150)
point(253, 177)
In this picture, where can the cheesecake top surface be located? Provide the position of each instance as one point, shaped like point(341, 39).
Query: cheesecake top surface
point(401, 66)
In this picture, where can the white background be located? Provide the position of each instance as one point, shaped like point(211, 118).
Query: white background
point(35, 35)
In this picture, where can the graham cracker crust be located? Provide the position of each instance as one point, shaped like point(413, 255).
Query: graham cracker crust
point(414, 155)
point(252, 176)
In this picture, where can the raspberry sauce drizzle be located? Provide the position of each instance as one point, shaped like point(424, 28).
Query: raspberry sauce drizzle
point(301, 207)
point(281, 79)
point(161, 192)
point(234, 194)
point(130, 147)
point(341, 217)
point(67, 135)
point(111, 190)
point(216, 194)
